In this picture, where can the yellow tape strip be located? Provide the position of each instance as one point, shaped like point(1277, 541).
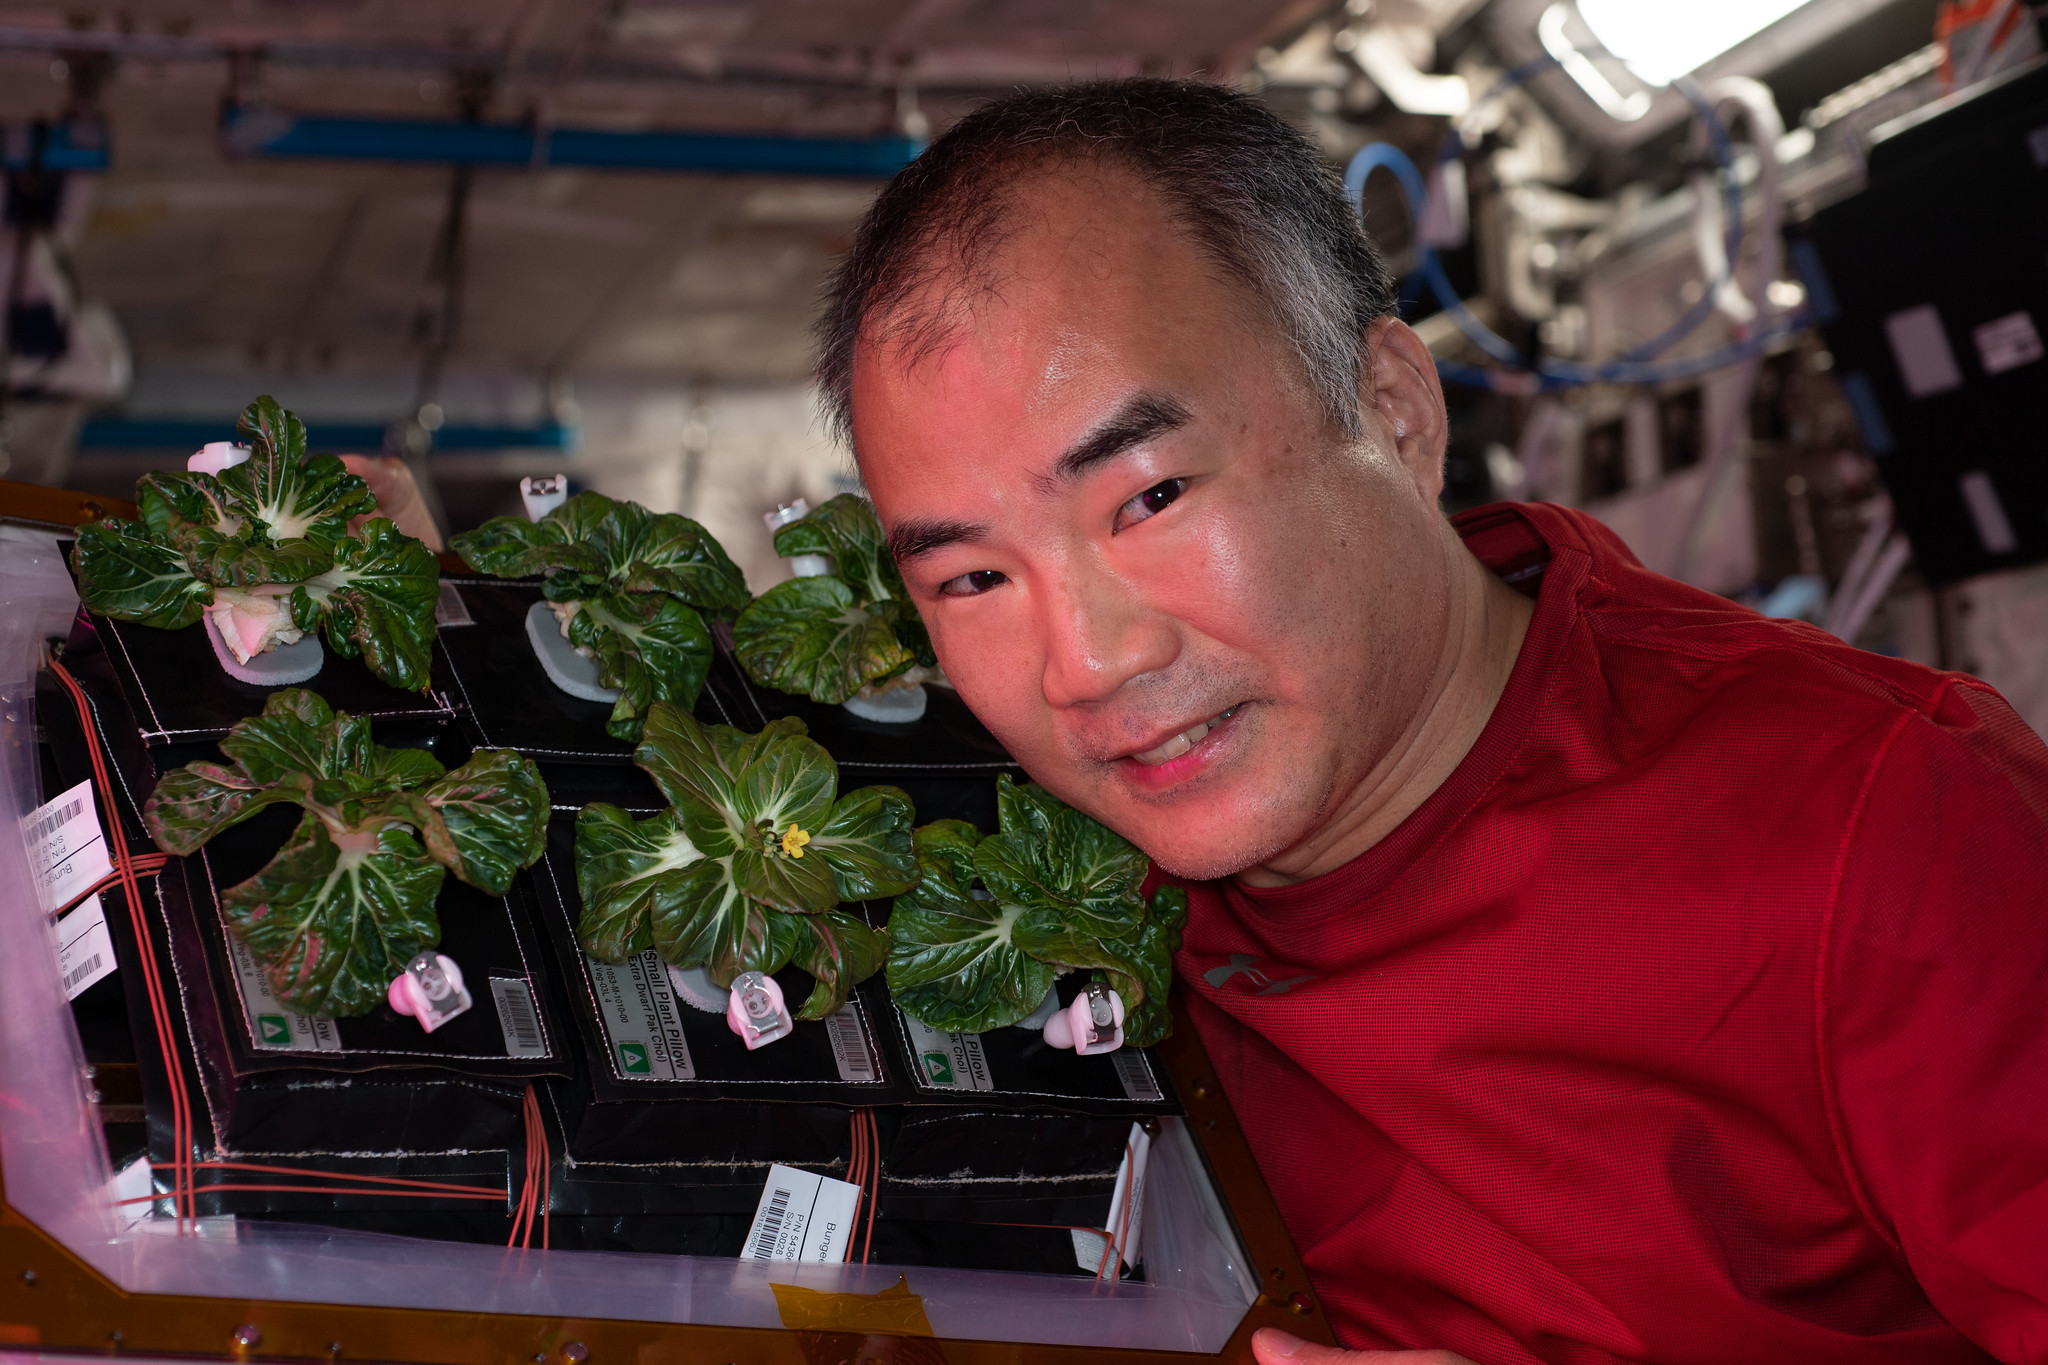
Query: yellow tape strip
point(895, 1311)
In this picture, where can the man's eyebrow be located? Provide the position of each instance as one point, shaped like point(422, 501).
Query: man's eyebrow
point(914, 538)
point(1137, 421)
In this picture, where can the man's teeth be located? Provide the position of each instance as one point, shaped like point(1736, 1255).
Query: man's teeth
point(1181, 743)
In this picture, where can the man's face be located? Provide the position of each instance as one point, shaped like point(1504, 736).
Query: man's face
point(1183, 599)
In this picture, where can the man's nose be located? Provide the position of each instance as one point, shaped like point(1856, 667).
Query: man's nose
point(1100, 634)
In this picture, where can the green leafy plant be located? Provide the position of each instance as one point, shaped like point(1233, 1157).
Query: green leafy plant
point(747, 868)
point(264, 549)
point(628, 586)
point(831, 636)
point(349, 899)
point(976, 943)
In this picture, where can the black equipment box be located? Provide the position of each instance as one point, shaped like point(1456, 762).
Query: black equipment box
point(1931, 285)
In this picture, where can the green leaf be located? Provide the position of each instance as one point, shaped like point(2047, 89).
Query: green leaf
point(354, 885)
point(840, 951)
point(193, 803)
point(702, 763)
point(677, 556)
point(1165, 919)
point(332, 927)
point(378, 602)
point(281, 490)
point(611, 548)
point(1062, 893)
point(713, 925)
point(625, 870)
point(485, 820)
point(847, 529)
point(1049, 854)
point(954, 961)
point(866, 841)
point(651, 647)
point(124, 573)
point(298, 732)
point(814, 637)
point(644, 883)
point(288, 495)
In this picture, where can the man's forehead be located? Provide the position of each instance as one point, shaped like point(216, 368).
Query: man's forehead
point(1093, 289)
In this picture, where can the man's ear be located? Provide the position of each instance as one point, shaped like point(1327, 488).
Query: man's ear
point(1399, 385)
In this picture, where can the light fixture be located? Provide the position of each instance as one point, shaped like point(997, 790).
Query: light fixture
point(1590, 78)
point(1661, 40)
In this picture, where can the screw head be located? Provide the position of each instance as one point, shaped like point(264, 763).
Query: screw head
point(28, 1277)
point(575, 1352)
point(1302, 1304)
point(248, 1336)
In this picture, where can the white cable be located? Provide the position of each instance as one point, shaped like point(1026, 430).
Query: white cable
point(1851, 584)
point(1896, 552)
point(1766, 130)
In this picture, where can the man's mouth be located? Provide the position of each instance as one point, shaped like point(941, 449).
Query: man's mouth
point(1187, 739)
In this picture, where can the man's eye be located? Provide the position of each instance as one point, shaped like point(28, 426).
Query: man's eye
point(971, 584)
point(1152, 500)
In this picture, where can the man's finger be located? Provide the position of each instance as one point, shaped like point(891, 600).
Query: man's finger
point(1271, 1346)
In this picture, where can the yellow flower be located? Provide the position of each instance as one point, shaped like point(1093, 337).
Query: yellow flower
point(793, 842)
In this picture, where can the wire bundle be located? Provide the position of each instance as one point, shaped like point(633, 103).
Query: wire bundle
point(534, 1192)
point(864, 1168)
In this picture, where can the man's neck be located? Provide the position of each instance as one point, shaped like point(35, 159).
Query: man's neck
point(1487, 623)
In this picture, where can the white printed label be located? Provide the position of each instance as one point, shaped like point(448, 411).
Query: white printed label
point(273, 1025)
point(1126, 1211)
point(84, 952)
point(850, 1052)
point(66, 848)
point(1136, 1074)
point(802, 1217)
point(2008, 343)
point(1919, 344)
point(640, 1021)
point(948, 1061)
point(517, 1018)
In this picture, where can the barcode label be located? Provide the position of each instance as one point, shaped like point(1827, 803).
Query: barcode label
point(66, 850)
point(802, 1216)
point(850, 1045)
point(56, 819)
point(517, 1018)
point(769, 1227)
point(84, 951)
point(1135, 1071)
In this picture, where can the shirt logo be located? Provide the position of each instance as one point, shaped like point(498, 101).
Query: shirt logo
point(1260, 977)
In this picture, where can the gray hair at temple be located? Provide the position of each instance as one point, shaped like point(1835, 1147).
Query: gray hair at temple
point(1253, 193)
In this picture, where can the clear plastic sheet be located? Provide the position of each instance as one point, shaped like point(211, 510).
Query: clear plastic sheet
point(53, 1160)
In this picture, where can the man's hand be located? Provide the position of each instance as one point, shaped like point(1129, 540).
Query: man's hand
point(1271, 1346)
point(398, 497)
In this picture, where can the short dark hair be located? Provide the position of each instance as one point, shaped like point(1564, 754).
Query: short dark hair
point(1253, 192)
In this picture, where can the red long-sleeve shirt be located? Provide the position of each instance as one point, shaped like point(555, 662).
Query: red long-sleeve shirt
point(1702, 1015)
